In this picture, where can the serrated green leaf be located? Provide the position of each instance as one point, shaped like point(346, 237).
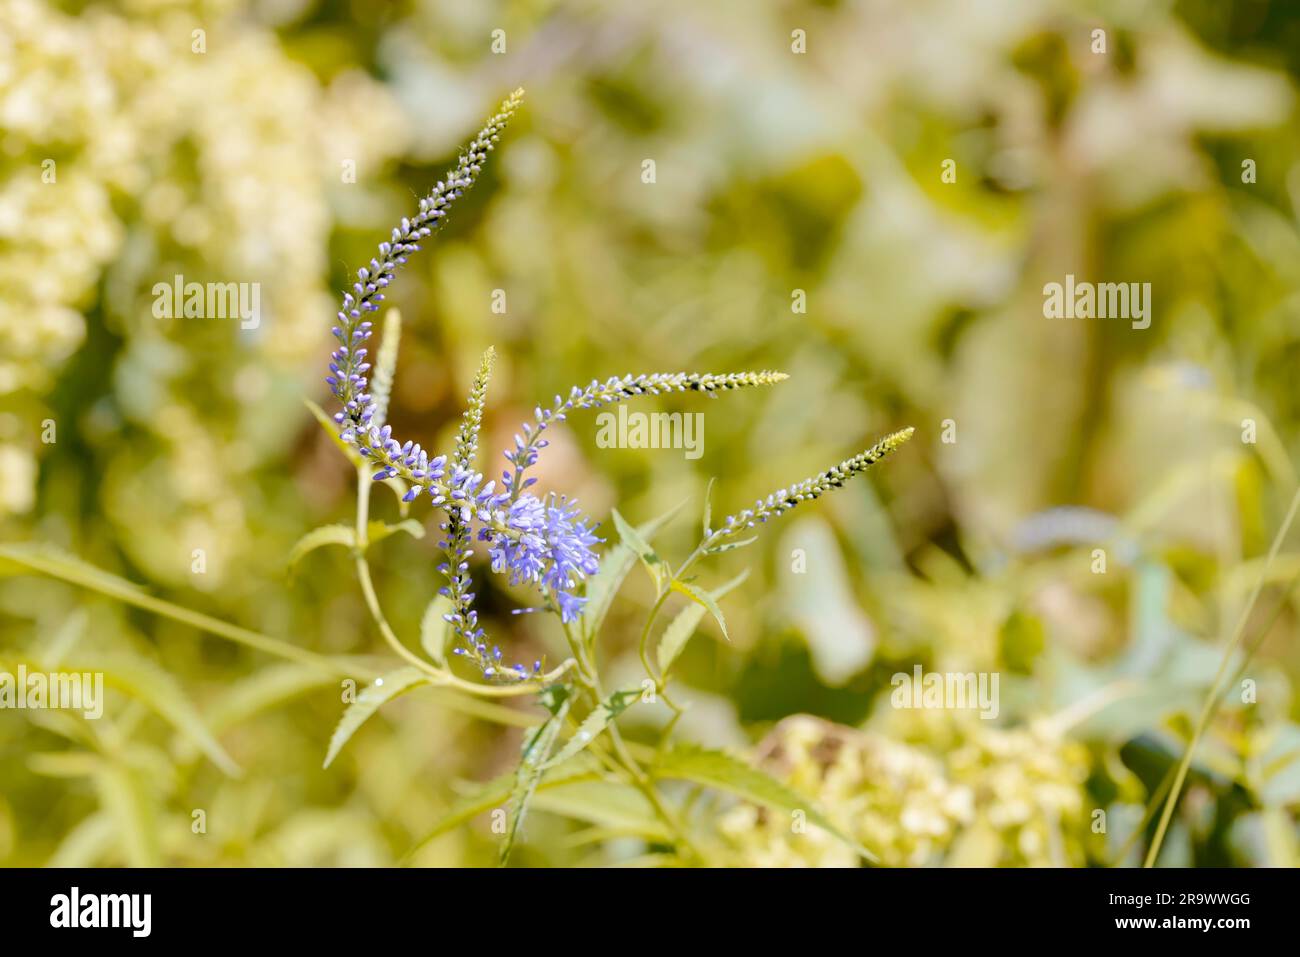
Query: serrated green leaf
point(596, 722)
point(493, 794)
point(729, 546)
point(379, 692)
point(435, 630)
point(319, 538)
point(676, 635)
point(614, 566)
point(604, 585)
point(697, 594)
point(633, 539)
point(723, 772)
point(532, 762)
point(553, 697)
point(681, 628)
point(609, 804)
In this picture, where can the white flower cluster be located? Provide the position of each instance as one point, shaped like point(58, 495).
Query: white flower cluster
point(955, 791)
point(129, 155)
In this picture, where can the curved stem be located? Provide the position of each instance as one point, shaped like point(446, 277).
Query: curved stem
point(586, 667)
point(643, 645)
point(646, 786)
point(624, 759)
point(441, 676)
point(372, 603)
point(1216, 689)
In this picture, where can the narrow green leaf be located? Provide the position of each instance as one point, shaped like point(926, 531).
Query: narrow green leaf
point(377, 531)
point(610, 804)
point(435, 630)
point(266, 688)
point(554, 697)
point(65, 764)
point(614, 566)
point(124, 797)
point(676, 635)
point(319, 538)
point(48, 560)
point(649, 860)
point(641, 548)
point(681, 628)
point(495, 793)
point(331, 428)
point(595, 723)
point(155, 687)
point(723, 772)
point(651, 528)
point(698, 594)
point(484, 709)
point(373, 695)
point(86, 844)
point(52, 651)
point(708, 508)
point(603, 586)
point(729, 546)
point(532, 762)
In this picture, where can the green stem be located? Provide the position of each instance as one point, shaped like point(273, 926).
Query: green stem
point(441, 676)
point(140, 599)
point(1216, 689)
point(643, 645)
point(624, 758)
point(586, 667)
point(646, 786)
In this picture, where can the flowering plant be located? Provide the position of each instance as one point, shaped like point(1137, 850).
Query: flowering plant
point(546, 542)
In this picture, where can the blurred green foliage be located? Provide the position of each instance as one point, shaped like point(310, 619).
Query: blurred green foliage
point(775, 172)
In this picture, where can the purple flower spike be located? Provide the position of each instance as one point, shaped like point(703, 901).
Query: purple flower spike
point(544, 543)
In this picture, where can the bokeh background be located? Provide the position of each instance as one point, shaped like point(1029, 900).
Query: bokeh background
point(1038, 440)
